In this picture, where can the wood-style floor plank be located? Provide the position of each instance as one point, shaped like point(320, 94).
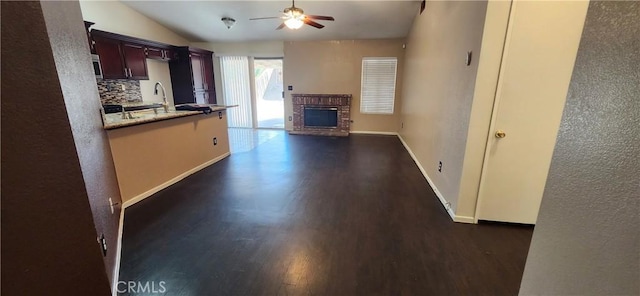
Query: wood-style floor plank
point(304, 215)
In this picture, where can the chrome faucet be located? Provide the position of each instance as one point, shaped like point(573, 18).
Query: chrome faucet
point(164, 96)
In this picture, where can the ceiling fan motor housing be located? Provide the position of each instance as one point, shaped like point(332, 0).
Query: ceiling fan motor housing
point(294, 11)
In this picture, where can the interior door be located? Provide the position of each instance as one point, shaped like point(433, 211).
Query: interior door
point(540, 50)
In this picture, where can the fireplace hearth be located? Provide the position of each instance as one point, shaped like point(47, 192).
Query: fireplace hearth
point(321, 114)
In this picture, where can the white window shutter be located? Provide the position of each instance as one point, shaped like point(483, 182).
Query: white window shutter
point(378, 85)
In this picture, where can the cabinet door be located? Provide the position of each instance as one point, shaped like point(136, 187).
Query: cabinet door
point(110, 58)
point(196, 72)
point(155, 53)
point(207, 69)
point(135, 60)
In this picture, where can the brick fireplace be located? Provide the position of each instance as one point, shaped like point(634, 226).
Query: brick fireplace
point(321, 114)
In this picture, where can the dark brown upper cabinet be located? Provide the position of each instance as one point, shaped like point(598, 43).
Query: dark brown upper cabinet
point(135, 61)
point(192, 76)
point(158, 53)
point(120, 59)
point(110, 58)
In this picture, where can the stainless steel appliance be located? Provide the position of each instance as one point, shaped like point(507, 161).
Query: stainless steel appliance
point(97, 68)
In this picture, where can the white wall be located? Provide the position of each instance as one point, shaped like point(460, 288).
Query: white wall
point(438, 89)
point(587, 240)
point(113, 16)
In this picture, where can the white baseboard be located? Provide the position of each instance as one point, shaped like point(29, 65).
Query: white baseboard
point(374, 133)
point(164, 185)
point(116, 268)
point(464, 219)
point(445, 203)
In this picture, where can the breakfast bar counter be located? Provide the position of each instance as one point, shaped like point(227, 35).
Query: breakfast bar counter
point(153, 151)
point(118, 120)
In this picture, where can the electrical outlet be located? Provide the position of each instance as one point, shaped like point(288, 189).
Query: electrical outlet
point(290, 118)
point(290, 87)
point(440, 166)
point(215, 141)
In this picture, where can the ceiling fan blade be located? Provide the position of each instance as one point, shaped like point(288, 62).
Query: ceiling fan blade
point(280, 27)
point(320, 17)
point(264, 18)
point(313, 24)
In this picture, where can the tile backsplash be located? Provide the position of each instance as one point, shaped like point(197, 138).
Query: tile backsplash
point(111, 91)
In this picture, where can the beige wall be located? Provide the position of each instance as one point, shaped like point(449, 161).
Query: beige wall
point(113, 16)
point(158, 71)
point(48, 183)
point(260, 49)
point(265, 49)
point(439, 88)
point(151, 155)
point(335, 67)
point(586, 241)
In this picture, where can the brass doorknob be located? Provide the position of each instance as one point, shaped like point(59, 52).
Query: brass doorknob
point(500, 134)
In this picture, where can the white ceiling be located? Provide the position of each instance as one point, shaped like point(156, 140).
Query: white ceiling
point(199, 21)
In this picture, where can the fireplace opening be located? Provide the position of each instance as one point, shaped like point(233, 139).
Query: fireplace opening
point(321, 117)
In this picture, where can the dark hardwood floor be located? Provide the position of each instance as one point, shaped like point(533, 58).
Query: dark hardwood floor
point(304, 215)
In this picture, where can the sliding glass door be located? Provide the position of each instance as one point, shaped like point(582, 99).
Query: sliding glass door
point(236, 89)
point(256, 86)
point(269, 89)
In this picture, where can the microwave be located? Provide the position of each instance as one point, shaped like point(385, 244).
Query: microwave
point(97, 68)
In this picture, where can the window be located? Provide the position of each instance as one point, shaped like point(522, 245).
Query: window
point(378, 85)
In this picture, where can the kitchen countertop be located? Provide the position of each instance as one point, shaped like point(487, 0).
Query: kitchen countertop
point(114, 120)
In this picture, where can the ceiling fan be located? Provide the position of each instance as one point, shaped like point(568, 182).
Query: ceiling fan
point(294, 18)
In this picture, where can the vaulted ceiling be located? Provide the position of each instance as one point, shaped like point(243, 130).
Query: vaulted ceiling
point(201, 20)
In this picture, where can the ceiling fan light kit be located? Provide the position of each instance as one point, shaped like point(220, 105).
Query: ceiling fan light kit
point(294, 23)
point(294, 18)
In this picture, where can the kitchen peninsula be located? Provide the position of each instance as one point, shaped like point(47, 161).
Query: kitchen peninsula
point(156, 143)
point(153, 149)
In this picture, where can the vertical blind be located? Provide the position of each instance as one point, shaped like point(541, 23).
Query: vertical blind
point(236, 90)
point(378, 85)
